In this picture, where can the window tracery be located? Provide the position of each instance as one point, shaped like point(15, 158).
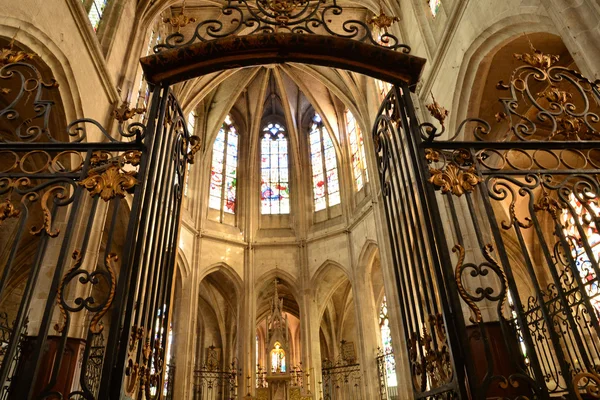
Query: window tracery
point(386, 342)
point(223, 173)
point(275, 190)
point(357, 148)
point(326, 186)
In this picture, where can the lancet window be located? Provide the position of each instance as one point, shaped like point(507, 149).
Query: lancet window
point(95, 9)
point(357, 148)
point(386, 342)
point(223, 174)
point(434, 6)
point(326, 186)
point(275, 189)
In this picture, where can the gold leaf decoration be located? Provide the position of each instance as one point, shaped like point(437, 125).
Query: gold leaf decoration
point(124, 113)
point(195, 147)
point(548, 204)
point(538, 59)
point(432, 155)
point(437, 111)
point(459, 284)
point(110, 183)
point(588, 384)
point(383, 21)
point(59, 193)
point(8, 210)
point(78, 259)
point(95, 325)
point(10, 56)
point(454, 179)
point(180, 20)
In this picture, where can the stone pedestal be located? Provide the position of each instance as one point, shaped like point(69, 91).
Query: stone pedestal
point(279, 386)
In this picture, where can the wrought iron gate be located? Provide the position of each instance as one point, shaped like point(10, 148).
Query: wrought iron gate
point(89, 219)
point(341, 380)
point(214, 383)
point(495, 238)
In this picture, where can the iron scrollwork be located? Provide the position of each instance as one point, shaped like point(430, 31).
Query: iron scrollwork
point(295, 16)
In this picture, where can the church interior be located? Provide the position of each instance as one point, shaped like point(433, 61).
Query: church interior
point(299, 199)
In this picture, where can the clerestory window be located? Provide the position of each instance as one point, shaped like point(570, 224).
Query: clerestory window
point(326, 185)
point(357, 149)
point(274, 187)
point(223, 173)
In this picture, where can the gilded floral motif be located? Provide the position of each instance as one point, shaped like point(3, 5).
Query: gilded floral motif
point(454, 179)
point(110, 183)
point(8, 210)
point(538, 59)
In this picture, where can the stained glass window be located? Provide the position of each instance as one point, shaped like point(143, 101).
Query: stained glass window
point(274, 187)
point(96, 11)
point(326, 185)
point(383, 88)
point(223, 174)
point(386, 342)
point(434, 6)
point(278, 359)
point(357, 148)
point(191, 124)
point(583, 217)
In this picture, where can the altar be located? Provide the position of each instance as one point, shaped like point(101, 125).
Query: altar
point(278, 376)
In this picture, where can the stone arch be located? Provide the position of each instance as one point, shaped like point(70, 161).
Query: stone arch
point(327, 279)
point(52, 55)
point(291, 281)
point(229, 272)
point(183, 265)
point(486, 44)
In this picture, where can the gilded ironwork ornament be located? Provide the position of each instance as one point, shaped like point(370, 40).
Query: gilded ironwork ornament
point(434, 364)
point(549, 204)
point(538, 59)
point(194, 147)
point(8, 210)
point(319, 17)
point(111, 182)
point(383, 21)
point(587, 384)
point(180, 20)
point(8, 55)
point(123, 113)
point(59, 192)
point(453, 179)
point(437, 111)
point(461, 288)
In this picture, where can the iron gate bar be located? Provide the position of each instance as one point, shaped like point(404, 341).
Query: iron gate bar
point(459, 349)
point(115, 361)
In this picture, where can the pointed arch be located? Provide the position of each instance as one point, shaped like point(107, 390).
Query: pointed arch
point(481, 47)
point(229, 272)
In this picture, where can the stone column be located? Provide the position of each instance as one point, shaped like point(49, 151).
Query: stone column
point(184, 337)
point(310, 321)
point(578, 22)
point(247, 334)
point(366, 322)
